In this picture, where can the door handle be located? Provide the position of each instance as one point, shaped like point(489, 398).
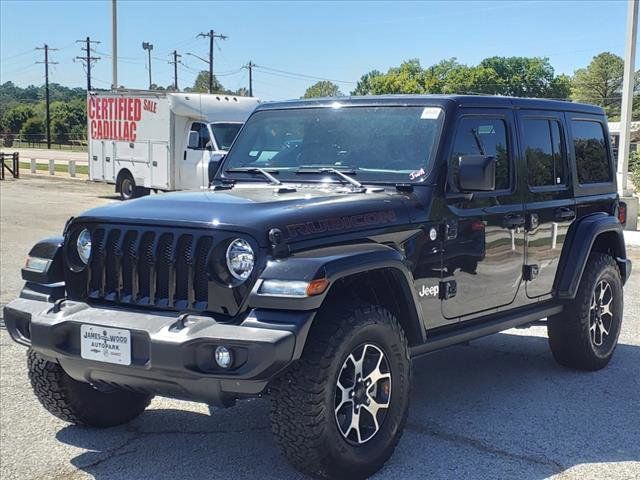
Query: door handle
point(513, 221)
point(565, 213)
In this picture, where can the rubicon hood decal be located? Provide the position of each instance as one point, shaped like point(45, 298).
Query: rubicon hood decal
point(348, 222)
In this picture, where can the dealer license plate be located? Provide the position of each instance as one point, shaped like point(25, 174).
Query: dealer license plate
point(103, 344)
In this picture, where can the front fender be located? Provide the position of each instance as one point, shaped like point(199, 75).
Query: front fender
point(332, 263)
point(579, 245)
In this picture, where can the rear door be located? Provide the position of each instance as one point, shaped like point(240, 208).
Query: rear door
point(96, 160)
point(484, 239)
point(550, 204)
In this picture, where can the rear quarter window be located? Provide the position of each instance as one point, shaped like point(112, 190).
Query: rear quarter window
point(591, 153)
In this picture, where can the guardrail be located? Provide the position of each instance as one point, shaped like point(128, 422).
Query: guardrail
point(14, 169)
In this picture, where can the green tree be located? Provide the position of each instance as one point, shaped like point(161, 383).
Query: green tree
point(600, 83)
point(363, 87)
point(526, 77)
point(66, 118)
point(323, 88)
point(409, 77)
point(33, 129)
point(15, 117)
point(201, 84)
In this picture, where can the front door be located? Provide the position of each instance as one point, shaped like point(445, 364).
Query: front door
point(193, 173)
point(550, 204)
point(484, 234)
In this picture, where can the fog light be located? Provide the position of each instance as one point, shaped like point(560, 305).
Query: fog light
point(224, 357)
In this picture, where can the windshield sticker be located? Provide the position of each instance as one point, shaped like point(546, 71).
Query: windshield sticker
point(416, 173)
point(430, 113)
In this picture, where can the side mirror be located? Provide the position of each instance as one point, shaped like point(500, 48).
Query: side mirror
point(214, 163)
point(194, 140)
point(477, 173)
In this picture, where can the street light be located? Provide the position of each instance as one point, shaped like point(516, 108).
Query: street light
point(148, 47)
point(203, 59)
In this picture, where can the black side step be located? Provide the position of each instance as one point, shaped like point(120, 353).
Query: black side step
point(495, 324)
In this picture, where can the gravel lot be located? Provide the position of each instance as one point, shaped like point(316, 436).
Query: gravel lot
point(499, 408)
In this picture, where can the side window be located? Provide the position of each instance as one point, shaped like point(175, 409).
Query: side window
point(203, 134)
point(592, 162)
point(543, 151)
point(482, 136)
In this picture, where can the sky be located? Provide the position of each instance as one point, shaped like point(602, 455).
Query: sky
point(339, 41)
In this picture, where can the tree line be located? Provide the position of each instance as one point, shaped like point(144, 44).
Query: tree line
point(599, 83)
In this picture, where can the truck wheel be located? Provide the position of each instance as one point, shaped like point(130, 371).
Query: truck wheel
point(340, 410)
point(127, 187)
point(585, 334)
point(78, 402)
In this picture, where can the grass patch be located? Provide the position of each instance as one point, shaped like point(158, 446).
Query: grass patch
point(58, 167)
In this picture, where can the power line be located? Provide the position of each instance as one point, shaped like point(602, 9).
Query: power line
point(249, 67)
point(212, 36)
point(302, 75)
point(10, 57)
point(175, 68)
point(46, 79)
point(88, 59)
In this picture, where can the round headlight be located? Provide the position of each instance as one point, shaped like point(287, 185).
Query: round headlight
point(240, 259)
point(84, 246)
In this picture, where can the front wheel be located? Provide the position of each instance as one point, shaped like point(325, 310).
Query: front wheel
point(585, 334)
point(78, 402)
point(340, 410)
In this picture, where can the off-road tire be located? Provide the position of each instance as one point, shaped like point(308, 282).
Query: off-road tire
point(302, 399)
point(569, 336)
point(78, 402)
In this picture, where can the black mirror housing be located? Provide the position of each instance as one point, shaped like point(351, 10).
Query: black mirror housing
point(213, 168)
point(477, 173)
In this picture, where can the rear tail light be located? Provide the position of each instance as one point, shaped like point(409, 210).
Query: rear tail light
point(622, 213)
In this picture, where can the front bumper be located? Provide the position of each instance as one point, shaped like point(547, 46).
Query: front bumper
point(171, 355)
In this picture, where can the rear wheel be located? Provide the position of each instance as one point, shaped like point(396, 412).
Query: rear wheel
point(585, 334)
point(78, 402)
point(127, 187)
point(340, 410)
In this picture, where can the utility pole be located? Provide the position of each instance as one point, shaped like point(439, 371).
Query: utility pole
point(212, 36)
point(250, 67)
point(627, 96)
point(88, 58)
point(114, 45)
point(148, 47)
point(46, 80)
point(175, 69)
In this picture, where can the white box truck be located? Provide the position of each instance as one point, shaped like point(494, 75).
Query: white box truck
point(142, 141)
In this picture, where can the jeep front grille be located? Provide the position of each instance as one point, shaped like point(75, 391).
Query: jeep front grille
point(165, 269)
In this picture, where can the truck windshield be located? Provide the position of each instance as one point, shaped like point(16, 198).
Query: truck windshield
point(375, 144)
point(225, 134)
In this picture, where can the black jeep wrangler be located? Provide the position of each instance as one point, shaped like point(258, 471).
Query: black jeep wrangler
point(339, 240)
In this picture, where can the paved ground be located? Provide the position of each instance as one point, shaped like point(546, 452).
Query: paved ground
point(499, 408)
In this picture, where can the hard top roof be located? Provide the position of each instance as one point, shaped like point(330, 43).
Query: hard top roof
point(439, 100)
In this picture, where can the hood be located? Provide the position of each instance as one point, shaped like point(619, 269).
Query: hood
point(312, 210)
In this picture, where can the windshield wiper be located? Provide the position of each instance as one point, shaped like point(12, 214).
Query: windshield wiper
point(338, 173)
point(270, 178)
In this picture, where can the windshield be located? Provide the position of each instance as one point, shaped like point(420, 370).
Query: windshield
point(225, 134)
point(385, 144)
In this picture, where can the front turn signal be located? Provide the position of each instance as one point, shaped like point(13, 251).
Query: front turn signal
point(316, 287)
